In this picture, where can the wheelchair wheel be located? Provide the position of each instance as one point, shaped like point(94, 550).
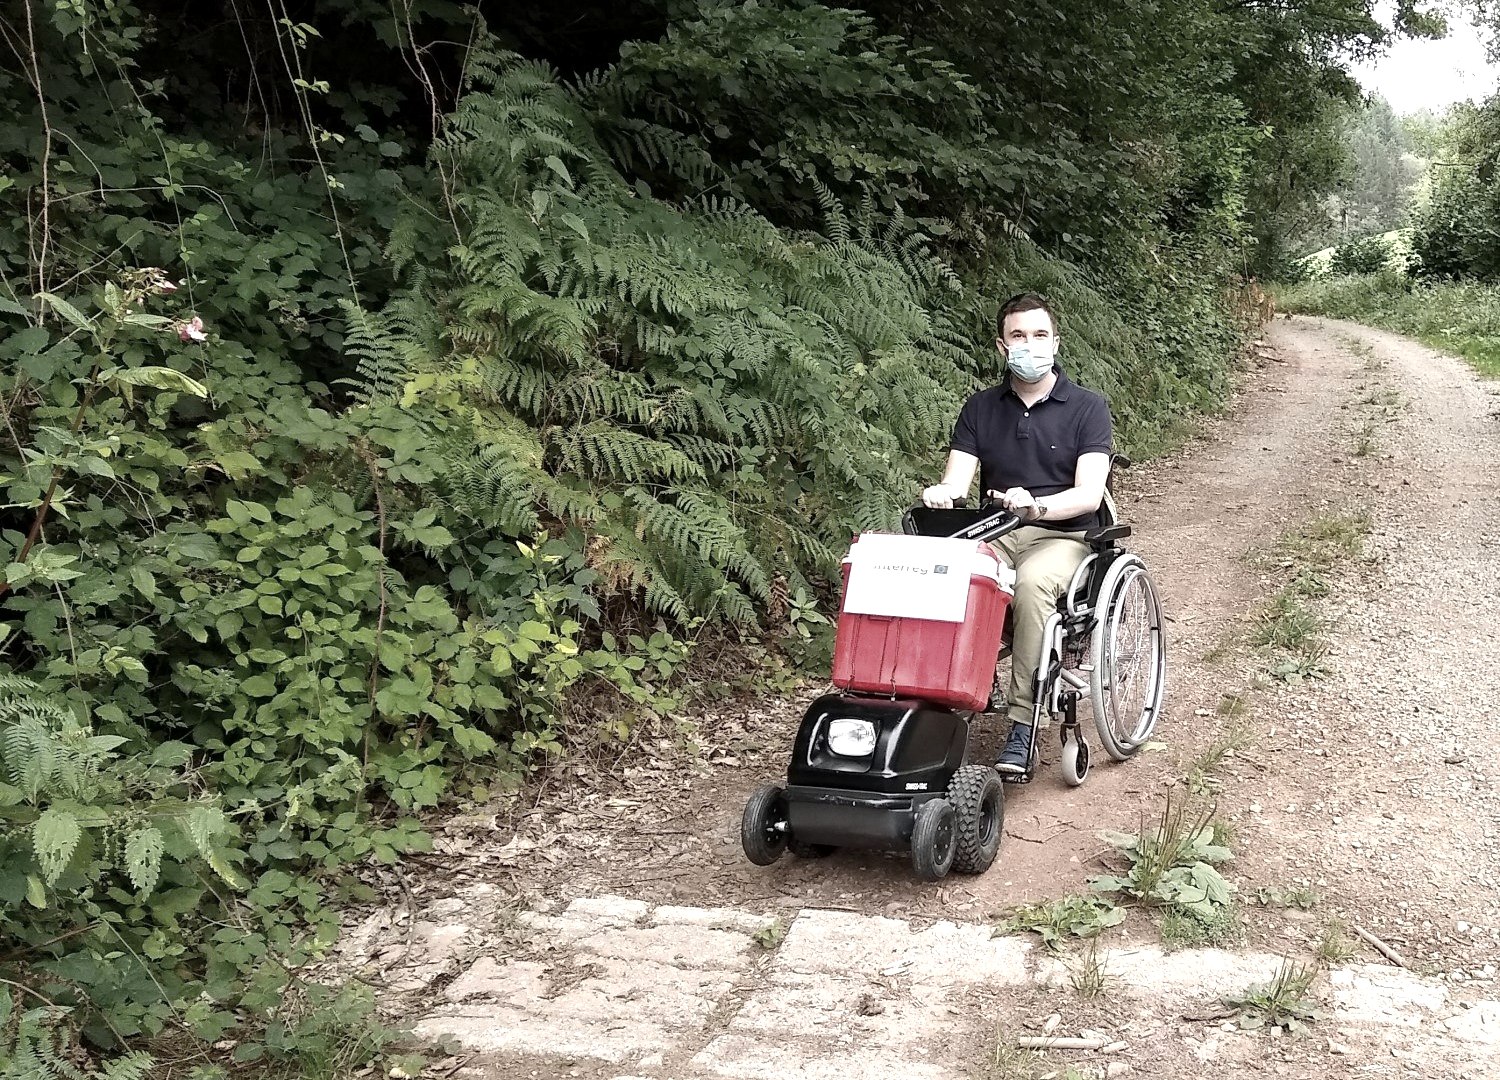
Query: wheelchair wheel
point(1075, 762)
point(934, 839)
point(978, 799)
point(1130, 662)
point(763, 825)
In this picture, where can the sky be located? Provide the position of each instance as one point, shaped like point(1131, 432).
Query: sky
point(1415, 75)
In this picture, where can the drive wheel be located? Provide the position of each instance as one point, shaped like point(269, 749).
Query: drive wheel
point(978, 799)
point(763, 831)
point(934, 839)
point(1130, 666)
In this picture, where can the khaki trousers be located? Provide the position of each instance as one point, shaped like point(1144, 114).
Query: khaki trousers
point(1044, 561)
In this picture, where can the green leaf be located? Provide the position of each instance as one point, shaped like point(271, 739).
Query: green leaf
point(555, 163)
point(172, 755)
point(574, 222)
point(31, 340)
point(531, 630)
point(44, 566)
point(152, 322)
point(155, 378)
point(143, 853)
point(238, 512)
point(203, 824)
point(54, 838)
point(36, 893)
point(259, 686)
point(66, 310)
point(143, 580)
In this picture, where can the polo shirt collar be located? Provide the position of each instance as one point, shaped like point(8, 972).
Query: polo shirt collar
point(1060, 389)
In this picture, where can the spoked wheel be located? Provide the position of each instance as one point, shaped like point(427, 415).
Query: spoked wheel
point(1130, 662)
point(1075, 761)
point(934, 839)
point(763, 831)
point(978, 799)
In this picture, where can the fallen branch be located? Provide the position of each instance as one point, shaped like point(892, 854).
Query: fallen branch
point(1058, 1042)
point(1381, 947)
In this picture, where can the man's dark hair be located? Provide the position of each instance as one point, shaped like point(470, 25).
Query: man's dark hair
point(1026, 301)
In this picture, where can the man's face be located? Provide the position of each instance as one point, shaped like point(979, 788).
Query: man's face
point(1032, 327)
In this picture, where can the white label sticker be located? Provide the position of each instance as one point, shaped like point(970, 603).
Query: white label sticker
point(913, 577)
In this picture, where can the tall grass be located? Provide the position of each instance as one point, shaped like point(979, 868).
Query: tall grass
point(1459, 317)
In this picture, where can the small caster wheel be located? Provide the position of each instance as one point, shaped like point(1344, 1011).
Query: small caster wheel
point(763, 832)
point(934, 839)
point(1075, 761)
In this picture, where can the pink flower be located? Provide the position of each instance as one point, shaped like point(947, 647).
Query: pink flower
point(191, 330)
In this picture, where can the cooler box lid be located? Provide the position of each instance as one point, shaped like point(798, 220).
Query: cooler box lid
point(918, 577)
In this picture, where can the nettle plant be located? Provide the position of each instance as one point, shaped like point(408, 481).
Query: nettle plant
point(104, 859)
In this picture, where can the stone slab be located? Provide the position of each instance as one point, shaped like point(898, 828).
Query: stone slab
point(1371, 994)
point(838, 942)
point(747, 1058)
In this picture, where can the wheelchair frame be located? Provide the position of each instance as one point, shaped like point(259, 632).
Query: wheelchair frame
point(1080, 645)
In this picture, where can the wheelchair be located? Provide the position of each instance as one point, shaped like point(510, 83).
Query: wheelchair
point(883, 763)
point(1103, 646)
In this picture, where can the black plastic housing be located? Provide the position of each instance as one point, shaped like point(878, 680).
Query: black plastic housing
point(871, 801)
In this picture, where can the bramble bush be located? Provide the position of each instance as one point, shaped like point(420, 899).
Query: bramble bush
point(1365, 255)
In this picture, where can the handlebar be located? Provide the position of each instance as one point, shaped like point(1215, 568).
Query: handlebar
point(987, 521)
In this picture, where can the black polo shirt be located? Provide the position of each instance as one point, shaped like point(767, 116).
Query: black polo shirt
point(1036, 448)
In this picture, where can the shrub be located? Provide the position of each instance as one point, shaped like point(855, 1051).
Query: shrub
point(1366, 255)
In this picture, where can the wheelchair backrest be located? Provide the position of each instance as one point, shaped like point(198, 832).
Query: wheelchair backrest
point(1108, 514)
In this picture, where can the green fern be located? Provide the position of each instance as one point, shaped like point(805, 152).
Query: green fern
point(71, 795)
point(716, 401)
point(35, 1045)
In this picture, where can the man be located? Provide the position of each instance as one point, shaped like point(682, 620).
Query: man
point(1042, 446)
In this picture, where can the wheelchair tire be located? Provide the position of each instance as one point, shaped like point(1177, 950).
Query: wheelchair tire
point(934, 839)
point(978, 799)
point(1075, 762)
point(1129, 657)
point(763, 832)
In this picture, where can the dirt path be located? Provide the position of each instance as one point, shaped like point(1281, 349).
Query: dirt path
point(1373, 789)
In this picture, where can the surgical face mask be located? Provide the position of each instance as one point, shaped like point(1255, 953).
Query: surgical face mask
point(1026, 362)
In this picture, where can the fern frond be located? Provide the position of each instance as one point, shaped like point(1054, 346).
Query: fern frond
point(602, 450)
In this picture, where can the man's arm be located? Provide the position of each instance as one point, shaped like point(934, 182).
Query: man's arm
point(1084, 497)
point(955, 483)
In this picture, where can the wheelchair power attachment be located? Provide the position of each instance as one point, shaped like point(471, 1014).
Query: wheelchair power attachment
point(883, 762)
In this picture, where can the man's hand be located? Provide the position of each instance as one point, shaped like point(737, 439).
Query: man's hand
point(1018, 501)
point(937, 497)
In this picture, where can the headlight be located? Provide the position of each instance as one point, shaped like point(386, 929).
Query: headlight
point(851, 738)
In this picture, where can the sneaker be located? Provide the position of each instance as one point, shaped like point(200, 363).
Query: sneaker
point(1015, 759)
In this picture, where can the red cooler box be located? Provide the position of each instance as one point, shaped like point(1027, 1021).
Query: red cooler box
point(921, 617)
